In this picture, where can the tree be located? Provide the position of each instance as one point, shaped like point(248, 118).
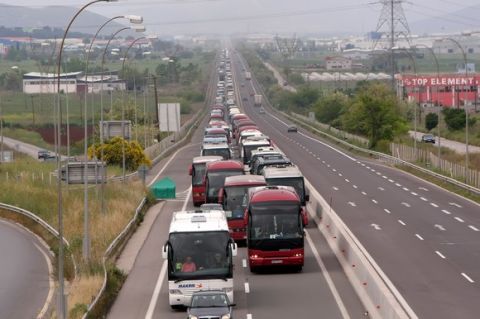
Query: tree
point(375, 113)
point(73, 65)
point(112, 153)
point(330, 107)
point(305, 97)
point(454, 118)
point(12, 81)
point(431, 121)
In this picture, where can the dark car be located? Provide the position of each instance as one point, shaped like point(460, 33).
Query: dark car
point(428, 138)
point(210, 304)
point(292, 128)
point(44, 154)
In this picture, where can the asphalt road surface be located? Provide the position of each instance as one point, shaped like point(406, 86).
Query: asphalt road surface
point(263, 296)
point(424, 238)
point(24, 276)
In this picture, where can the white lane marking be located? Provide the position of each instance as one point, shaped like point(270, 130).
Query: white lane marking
point(440, 254)
point(333, 169)
point(459, 219)
point(352, 204)
point(446, 212)
point(323, 162)
point(473, 228)
point(355, 186)
point(405, 204)
point(340, 174)
point(244, 263)
point(363, 193)
point(419, 237)
point(385, 177)
point(467, 277)
point(249, 316)
point(247, 288)
point(423, 189)
point(156, 292)
point(328, 165)
point(347, 180)
point(363, 164)
point(376, 226)
point(381, 188)
point(455, 204)
point(51, 286)
point(434, 205)
point(161, 276)
point(378, 173)
point(328, 279)
point(424, 199)
point(387, 211)
point(398, 184)
point(414, 194)
point(391, 180)
point(367, 167)
point(373, 170)
point(401, 222)
point(374, 201)
point(335, 188)
point(439, 227)
point(405, 189)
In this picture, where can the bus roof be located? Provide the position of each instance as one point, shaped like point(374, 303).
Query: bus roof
point(272, 193)
point(198, 221)
point(226, 164)
point(279, 171)
point(262, 141)
point(241, 180)
point(206, 159)
point(209, 146)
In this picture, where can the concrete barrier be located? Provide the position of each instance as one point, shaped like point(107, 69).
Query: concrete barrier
point(377, 293)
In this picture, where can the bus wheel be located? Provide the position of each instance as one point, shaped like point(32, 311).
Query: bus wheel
point(177, 307)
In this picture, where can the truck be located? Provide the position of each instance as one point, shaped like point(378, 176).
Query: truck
point(197, 171)
point(257, 100)
point(275, 233)
point(199, 254)
point(248, 75)
point(233, 199)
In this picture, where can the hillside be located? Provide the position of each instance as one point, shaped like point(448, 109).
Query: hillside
point(52, 16)
point(457, 21)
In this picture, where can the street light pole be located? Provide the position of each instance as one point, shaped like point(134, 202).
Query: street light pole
point(464, 55)
point(62, 311)
point(123, 106)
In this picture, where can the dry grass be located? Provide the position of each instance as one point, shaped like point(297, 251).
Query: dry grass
point(40, 197)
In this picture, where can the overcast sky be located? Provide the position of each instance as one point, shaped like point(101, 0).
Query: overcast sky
point(272, 16)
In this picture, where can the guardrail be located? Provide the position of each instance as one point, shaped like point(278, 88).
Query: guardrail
point(113, 245)
point(377, 293)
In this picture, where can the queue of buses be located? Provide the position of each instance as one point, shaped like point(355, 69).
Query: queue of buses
point(248, 191)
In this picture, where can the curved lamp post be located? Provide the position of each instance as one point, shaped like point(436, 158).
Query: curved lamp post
point(62, 311)
point(123, 105)
point(86, 232)
point(464, 55)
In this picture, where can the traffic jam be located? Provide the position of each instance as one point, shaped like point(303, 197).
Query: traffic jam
point(249, 194)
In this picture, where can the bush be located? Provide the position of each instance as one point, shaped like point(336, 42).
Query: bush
point(454, 118)
point(113, 155)
point(431, 121)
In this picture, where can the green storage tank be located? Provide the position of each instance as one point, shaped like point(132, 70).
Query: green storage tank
point(164, 189)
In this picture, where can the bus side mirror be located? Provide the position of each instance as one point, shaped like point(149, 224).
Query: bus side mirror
point(190, 170)
point(165, 251)
point(234, 249)
point(307, 197)
point(220, 195)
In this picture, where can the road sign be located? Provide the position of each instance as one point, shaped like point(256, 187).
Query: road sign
point(111, 129)
point(76, 170)
point(6, 156)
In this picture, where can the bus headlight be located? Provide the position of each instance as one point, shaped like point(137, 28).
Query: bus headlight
point(175, 292)
point(193, 317)
point(227, 316)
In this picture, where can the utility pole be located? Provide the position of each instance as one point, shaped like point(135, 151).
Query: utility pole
point(156, 98)
point(392, 25)
point(1, 130)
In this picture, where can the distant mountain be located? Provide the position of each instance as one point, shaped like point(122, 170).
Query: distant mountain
point(456, 21)
point(53, 16)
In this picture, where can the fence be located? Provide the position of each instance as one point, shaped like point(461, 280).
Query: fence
point(453, 170)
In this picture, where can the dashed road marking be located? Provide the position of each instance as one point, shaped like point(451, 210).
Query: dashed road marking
point(405, 189)
point(446, 212)
point(378, 173)
point(374, 201)
point(401, 222)
point(387, 211)
point(424, 199)
point(335, 188)
point(473, 228)
point(455, 204)
point(247, 288)
point(381, 188)
point(423, 189)
point(406, 204)
point(340, 174)
point(363, 193)
point(391, 180)
point(347, 180)
point(244, 263)
point(414, 194)
point(440, 254)
point(467, 277)
point(434, 205)
point(398, 184)
point(352, 204)
point(459, 219)
point(249, 316)
point(419, 237)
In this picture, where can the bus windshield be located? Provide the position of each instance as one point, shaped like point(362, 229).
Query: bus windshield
point(275, 221)
point(217, 179)
point(247, 151)
point(224, 152)
point(234, 201)
point(199, 255)
point(197, 174)
point(295, 182)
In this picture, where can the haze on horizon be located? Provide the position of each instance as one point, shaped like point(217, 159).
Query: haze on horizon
point(274, 16)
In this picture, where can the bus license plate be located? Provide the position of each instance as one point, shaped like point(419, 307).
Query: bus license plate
point(277, 261)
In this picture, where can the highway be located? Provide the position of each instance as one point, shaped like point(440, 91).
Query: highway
point(25, 284)
point(424, 238)
point(320, 290)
